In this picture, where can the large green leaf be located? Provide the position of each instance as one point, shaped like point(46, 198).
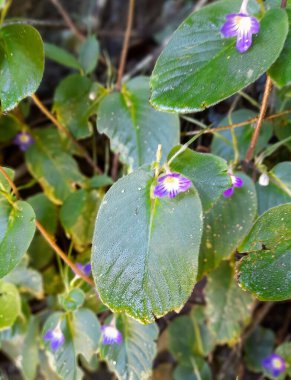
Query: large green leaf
point(82, 334)
point(17, 227)
point(10, 306)
point(133, 358)
point(226, 225)
point(199, 68)
point(228, 306)
point(78, 215)
point(279, 189)
point(72, 103)
point(55, 170)
point(280, 72)
point(266, 270)
point(145, 251)
point(207, 172)
point(21, 63)
point(135, 129)
point(222, 144)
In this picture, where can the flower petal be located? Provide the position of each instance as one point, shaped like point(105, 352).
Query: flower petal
point(237, 181)
point(160, 191)
point(229, 29)
point(255, 25)
point(244, 41)
point(229, 192)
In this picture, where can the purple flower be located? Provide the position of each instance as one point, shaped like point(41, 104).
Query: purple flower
point(86, 268)
point(23, 140)
point(55, 337)
point(110, 335)
point(236, 182)
point(274, 364)
point(171, 184)
point(242, 26)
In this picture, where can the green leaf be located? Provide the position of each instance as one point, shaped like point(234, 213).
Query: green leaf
point(207, 172)
point(280, 72)
point(141, 265)
point(135, 129)
point(78, 215)
point(61, 56)
point(199, 370)
point(98, 181)
point(226, 225)
point(222, 142)
point(283, 130)
point(284, 350)
point(228, 307)
point(4, 184)
point(266, 270)
point(21, 63)
point(72, 104)
point(29, 351)
point(188, 336)
point(9, 126)
point(89, 54)
point(82, 334)
point(73, 300)
point(133, 358)
point(17, 227)
point(27, 280)
point(10, 306)
point(188, 74)
point(257, 347)
point(55, 170)
point(279, 189)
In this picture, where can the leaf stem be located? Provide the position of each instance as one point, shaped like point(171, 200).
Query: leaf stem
point(125, 44)
point(69, 22)
point(63, 129)
point(185, 146)
point(49, 239)
point(264, 106)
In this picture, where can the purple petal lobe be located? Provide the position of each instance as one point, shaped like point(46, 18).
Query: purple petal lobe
point(110, 335)
point(237, 181)
point(229, 192)
point(244, 41)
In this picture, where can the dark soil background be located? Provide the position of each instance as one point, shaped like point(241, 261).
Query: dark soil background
point(154, 22)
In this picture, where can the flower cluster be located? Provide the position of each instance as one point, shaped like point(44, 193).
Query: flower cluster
point(171, 184)
point(55, 337)
point(23, 140)
point(274, 364)
point(236, 182)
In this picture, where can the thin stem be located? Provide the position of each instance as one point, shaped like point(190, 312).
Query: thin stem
point(241, 124)
point(264, 106)
point(63, 129)
point(125, 44)
point(68, 20)
point(185, 146)
point(284, 4)
point(49, 239)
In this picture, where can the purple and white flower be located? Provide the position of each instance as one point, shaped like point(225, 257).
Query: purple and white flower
point(236, 182)
point(274, 364)
point(86, 269)
point(110, 335)
point(55, 337)
point(242, 26)
point(23, 140)
point(171, 184)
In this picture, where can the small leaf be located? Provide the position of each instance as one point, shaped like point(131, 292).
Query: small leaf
point(135, 129)
point(207, 172)
point(140, 264)
point(10, 306)
point(72, 104)
point(4, 184)
point(61, 56)
point(257, 347)
point(226, 225)
point(21, 65)
point(222, 142)
point(133, 358)
point(89, 54)
point(73, 300)
point(228, 307)
point(199, 370)
point(17, 226)
point(284, 350)
point(98, 181)
point(280, 72)
point(82, 334)
point(55, 170)
point(78, 215)
point(187, 75)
